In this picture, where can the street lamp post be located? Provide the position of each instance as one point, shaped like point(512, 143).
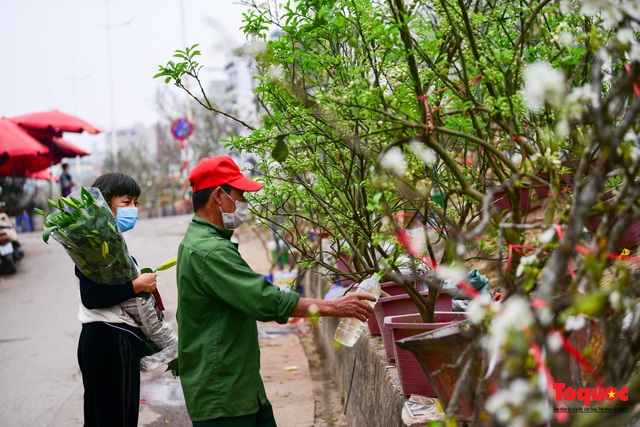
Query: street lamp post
point(114, 135)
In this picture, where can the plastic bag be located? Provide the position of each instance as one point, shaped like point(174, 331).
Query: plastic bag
point(145, 313)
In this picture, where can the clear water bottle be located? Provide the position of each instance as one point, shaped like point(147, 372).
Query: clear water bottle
point(350, 328)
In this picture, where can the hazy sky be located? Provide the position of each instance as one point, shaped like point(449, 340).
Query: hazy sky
point(54, 53)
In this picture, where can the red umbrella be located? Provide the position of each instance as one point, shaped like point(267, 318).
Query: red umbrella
point(43, 174)
point(19, 152)
point(63, 148)
point(54, 120)
point(59, 147)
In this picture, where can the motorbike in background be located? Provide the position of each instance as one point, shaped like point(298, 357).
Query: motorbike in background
point(10, 250)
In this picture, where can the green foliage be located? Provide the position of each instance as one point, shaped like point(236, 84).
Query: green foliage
point(345, 84)
point(87, 229)
point(174, 71)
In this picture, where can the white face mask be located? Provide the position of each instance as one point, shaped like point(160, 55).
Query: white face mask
point(231, 221)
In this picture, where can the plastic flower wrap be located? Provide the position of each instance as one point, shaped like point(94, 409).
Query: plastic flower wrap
point(85, 226)
point(163, 341)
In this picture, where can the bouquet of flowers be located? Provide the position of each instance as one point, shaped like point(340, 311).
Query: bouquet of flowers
point(85, 226)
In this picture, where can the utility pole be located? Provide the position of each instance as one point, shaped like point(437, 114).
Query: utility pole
point(113, 133)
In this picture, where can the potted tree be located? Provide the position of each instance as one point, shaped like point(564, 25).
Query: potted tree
point(368, 107)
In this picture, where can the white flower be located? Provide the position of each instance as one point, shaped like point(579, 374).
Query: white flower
point(478, 308)
point(564, 38)
point(455, 273)
point(255, 47)
point(632, 8)
point(545, 315)
point(518, 405)
point(608, 10)
point(578, 100)
point(562, 128)
point(275, 73)
point(547, 235)
point(515, 316)
point(513, 397)
point(634, 154)
point(427, 155)
point(615, 299)
point(524, 261)
point(625, 36)
point(630, 136)
point(517, 159)
point(499, 399)
point(566, 6)
point(575, 323)
point(418, 238)
point(394, 161)
point(542, 83)
point(554, 341)
point(634, 53)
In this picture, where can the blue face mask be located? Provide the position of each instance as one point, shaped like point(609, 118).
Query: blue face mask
point(126, 218)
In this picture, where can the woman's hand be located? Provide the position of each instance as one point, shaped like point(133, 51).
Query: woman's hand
point(145, 282)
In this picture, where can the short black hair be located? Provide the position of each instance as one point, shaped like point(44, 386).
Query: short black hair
point(116, 184)
point(200, 198)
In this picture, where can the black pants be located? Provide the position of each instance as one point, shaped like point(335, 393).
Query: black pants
point(109, 358)
point(263, 418)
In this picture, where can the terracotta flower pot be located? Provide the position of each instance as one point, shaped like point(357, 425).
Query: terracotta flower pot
point(442, 353)
point(412, 378)
point(402, 304)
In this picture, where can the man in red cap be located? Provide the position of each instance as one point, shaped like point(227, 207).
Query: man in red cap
point(220, 300)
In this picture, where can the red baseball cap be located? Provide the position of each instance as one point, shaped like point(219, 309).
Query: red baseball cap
point(218, 170)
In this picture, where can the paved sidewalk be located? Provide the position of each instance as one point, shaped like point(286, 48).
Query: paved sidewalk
point(42, 385)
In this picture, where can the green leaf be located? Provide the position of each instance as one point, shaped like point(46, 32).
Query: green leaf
point(146, 270)
point(280, 150)
point(46, 234)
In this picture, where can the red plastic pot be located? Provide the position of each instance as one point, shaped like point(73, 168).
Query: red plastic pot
point(502, 202)
point(439, 352)
point(629, 238)
point(393, 289)
point(402, 304)
point(413, 379)
point(542, 191)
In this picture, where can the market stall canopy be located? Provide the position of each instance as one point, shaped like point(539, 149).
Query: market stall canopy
point(54, 120)
point(20, 153)
point(59, 147)
point(43, 174)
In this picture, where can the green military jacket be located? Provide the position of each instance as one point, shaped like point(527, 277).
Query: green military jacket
point(220, 298)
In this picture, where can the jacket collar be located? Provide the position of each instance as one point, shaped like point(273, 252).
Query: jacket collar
point(223, 232)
